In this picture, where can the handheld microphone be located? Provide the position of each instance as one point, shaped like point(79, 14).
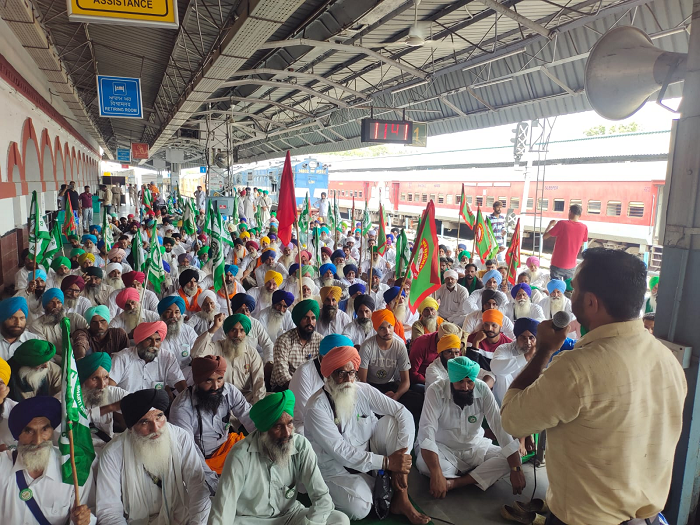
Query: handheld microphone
point(561, 320)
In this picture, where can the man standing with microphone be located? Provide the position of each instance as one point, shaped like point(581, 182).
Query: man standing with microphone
point(612, 406)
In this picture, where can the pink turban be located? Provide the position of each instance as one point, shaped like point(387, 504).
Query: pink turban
point(532, 260)
point(116, 252)
point(338, 357)
point(125, 295)
point(145, 330)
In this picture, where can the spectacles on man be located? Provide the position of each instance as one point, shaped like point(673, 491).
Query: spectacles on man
point(345, 374)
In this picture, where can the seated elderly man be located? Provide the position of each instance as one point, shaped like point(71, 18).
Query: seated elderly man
point(189, 289)
point(244, 304)
point(204, 411)
point(308, 378)
point(233, 286)
point(492, 280)
point(483, 344)
point(180, 338)
point(428, 321)
point(332, 319)
point(350, 442)
point(151, 473)
point(377, 288)
point(395, 299)
point(48, 326)
point(351, 274)
point(277, 319)
point(60, 268)
point(328, 277)
point(509, 359)
point(453, 298)
point(360, 328)
point(249, 488)
point(33, 372)
point(96, 290)
point(13, 326)
point(262, 295)
point(535, 295)
point(135, 280)
point(98, 336)
point(490, 300)
point(557, 301)
point(102, 400)
point(146, 365)
point(245, 368)
point(72, 286)
point(451, 446)
point(267, 263)
point(33, 293)
point(424, 351)
point(522, 306)
point(347, 304)
point(208, 308)
point(113, 272)
point(31, 484)
point(538, 278)
point(296, 346)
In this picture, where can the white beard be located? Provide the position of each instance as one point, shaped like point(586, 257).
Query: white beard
point(116, 283)
point(344, 396)
point(174, 329)
point(132, 319)
point(534, 275)
point(274, 323)
point(351, 305)
point(652, 301)
point(365, 327)
point(555, 305)
point(34, 377)
point(265, 297)
point(339, 269)
point(400, 313)
point(430, 325)
point(153, 453)
point(280, 455)
point(286, 260)
point(233, 349)
point(327, 282)
point(521, 308)
point(94, 397)
point(209, 317)
point(35, 457)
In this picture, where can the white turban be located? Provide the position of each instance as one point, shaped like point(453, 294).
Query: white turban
point(450, 273)
point(306, 281)
point(203, 295)
point(113, 266)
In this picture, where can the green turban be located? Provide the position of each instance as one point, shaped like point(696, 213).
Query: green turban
point(203, 250)
point(75, 252)
point(302, 308)
point(100, 310)
point(231, 321)
point(307, 270)
point(464, 253)
point(60, 261)
point(461, 367)
point(268, 410)
point(90, 363)
point(653, 281)
point(33, 353)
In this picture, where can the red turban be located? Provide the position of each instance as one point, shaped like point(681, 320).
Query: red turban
point(70, 280)
point(204, 367)
point(145, 330)
point(338, 357)
point(129, 278)
point(125, 295)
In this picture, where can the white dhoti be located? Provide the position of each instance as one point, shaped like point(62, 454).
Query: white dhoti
point(296, 517)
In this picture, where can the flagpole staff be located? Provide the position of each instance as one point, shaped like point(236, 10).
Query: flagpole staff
point(335, 220)
point(301, 285)
point(478, 208)
point(76, 487)
point(228, 302)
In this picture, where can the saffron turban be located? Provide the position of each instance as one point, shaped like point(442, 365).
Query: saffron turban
point(357, 287)
point(48, 295)
point(129, 278)
point(332, 341)
point(91, 362)
point(492, 274)
point(252, 244)
point(167, 302)
point(380, 316)
point(338, 357)
point(331, 291)
point(26, 410)
point(556, 284)
point(100, 310)
point(272, 275)
point(461, 367)
point(187, 276)
point(204, 367)
point(136, 405)
point(453, 274)
point(145, 330)
point(5, 371)
point(349, 268)
point(302, 308)
point(280, 296)
point(325, 267)
point(241, 299)
point(113, 266)
point(37, 274)
point(233, 320)
point(116, 252)
point(449, 341)
point(94, 271)
point(532, 260)
point(33, 353)
point(522, 286)
point(364, 300)
point(203, 295)
point(338, 254)
point(9, 307)
point(525, 324)
point(58, 262)
point(492, 316)
point(71, 280)
point(244, 234)
point(428, 302)
point(89, 237)
point(267, 254)
point(266, 412)
point(653, 281)
point(391, 294)
point(232, 269)
point(127, 294)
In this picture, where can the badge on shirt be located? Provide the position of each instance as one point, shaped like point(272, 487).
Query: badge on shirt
point(26, 494)
point(471, 419)
point(381, 373)
point(185, 351)
point(158, 386)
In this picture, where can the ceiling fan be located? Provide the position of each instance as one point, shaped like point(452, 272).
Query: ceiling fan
point(417, 36)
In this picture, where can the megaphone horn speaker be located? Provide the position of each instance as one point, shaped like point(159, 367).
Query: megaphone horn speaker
point(624, 69)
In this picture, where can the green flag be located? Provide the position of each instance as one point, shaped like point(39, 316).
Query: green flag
point(188, 224)
point(465, 210)
point(147, 198)
point(304, 218)
point(234, 216)
point(484, 240)
point(425, 262)
point(138, 254)
point(73, 418)
point(107, 236)
point(381, 236)
point(155, 273)
point(331, 217)
point(39, 235)
point(403, 253)
point(366, 220)
point(258, 217)
point(217, 244)
point(55, 243)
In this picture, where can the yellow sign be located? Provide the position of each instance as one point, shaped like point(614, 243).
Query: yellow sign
point(158, 13)
point(420, 135)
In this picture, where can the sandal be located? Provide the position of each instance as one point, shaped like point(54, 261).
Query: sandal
point(518, 516)
point(536, 505)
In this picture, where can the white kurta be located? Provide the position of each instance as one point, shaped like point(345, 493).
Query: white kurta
point(357, 333)
point(506, 364)
point(453, 303)
point(104, 423)
point(260, 302)
point(436, 372)
point(146, 316)
point(181, 346)
point(286, 325)
point(473, 323)
point(8, 349)
point(305, 382)
point(36, 309)
point(149, 301)
point(261, 270)
point(6, 437)
point(81, 306)
point(378, 296)
point(334, 327)
point(546, 310)
point(535, 312)
point(475, 300)
point(132, 373)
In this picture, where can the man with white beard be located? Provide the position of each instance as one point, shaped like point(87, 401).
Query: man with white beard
point(277, 319)
point(338, 260)
point(509, 359)
point(453, 299)
point(269, 457)
point(267, 263)
point(359, 442)
point(257, 337)
point(33, 372)
point(180, 337)
point(328, 277)
point(538, 278)
point(60, 268)
point(208, 308)
point(360, 329)
point(48, 326)
point(151, 473)
point(114, 276)
point(395, 299)
point(248, 263)
point(332, 320)
point(288, 256)
point(350, 275)
point(31, 475)
point(378, 263)
point(135, 280)
point(13, 326)
point(557, 301)
point(72, 287)
point(32, 294)
point(354, 291)
point(146, 365)
point(650, 303)
point(96, 290)
point(536, 296)
point(245, 369)
point(132, 313)
point(102, 400)
point(233, 286)
point(522, 306)
point(428, 321)
point(262, 295)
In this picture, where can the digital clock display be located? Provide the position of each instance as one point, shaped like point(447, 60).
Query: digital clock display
point(387, 131)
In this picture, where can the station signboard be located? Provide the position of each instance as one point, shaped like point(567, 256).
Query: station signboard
point(123, 155)
point(153, 13)
point(139, 150)
point(119, 97)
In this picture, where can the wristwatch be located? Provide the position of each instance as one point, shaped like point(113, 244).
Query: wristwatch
point(517, 469)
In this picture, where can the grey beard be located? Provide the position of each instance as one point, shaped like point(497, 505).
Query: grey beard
point(70, 303)
point(274, 322)
point(430, 325)
point(94, 397)
point(521, 310)
point(55, 318)
point(132, 318)
point(555, 305)
point(148, 354)
point(328, 314)
point(366, 324)
point(233, 349)
point(265, 296)
point(400, 312)
point(279, 454)
point(116, 283)
point(652, 301)
point(351, 305)
point(35, 457)
point(174, 329)
point(189, 292)
point(33, 377)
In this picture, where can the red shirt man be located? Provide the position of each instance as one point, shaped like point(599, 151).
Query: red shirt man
point(485, 341)
point(86, 198)
point(570, 236)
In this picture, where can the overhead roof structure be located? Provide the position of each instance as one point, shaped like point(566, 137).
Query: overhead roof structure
point(300, 75)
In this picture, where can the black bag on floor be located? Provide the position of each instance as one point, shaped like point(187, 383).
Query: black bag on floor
point(382, 494)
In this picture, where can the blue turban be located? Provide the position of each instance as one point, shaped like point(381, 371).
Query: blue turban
point(96, 227)
point(293, 268)
point(336, 254)
point(100, 244)
point(37, 274)
point(167, 302)
point(391, 294)
point(522, 286)
point(160, 240)
point(325, 267)
point(267, 254)
point(377, 272)
point(390, 236)
point(88, 237)
point(492, 274)
point(349, 268)
point(100, 310)
point(9, 307)
point(281, 295)
point(462, 246)
point(332, 341)
point(556, 284)
point(26, 410)
point(241, 299)
point(232, 269)
point(357, 287)
point(50, 294)
point(525, 323)
point(461, 367)
point(166, 267)
point(325, 230)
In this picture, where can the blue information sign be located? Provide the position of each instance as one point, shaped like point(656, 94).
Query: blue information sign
point(202, 169)
point(119, 97)
point(123, 155)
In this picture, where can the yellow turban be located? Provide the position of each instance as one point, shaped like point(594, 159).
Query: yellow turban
point(244, 235)
point(265, 239)
point(428, 302)
point(276, 276)
point(449, 341)
point(4, 371)
point(333, 291)
point(85, 257)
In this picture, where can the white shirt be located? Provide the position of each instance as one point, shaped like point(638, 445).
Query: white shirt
point(535, 312)
point(181, 346)
point(473, 323)
point(305, 381)
point(384, 366)
point(475, 300)
point(507, 362)
point(357, 333)
point(261, 270)
point(104, 423)
point(7, 349)
point(149, 301)
point(286, 324)
point(453, 303)
point(132, 373)
point(36, 309)
point(436, 372)
point(546, 303)
point(6, 437)
point(260, 302)
point(334, 327)
point(81, 306)
point(378, 296)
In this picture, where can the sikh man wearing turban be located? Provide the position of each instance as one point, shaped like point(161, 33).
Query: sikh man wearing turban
point(452, 298)
point(22, 275)
point(424, 351)
point(428, 320)
point(96, 290)
point(377, 288)
point(449, 346)
point(152, 473)
point(650, 303)
point(267, 264)
point(296, 346)
point(332, 320)
point(360, 328)
point(189, 289)
point(33, 471)
point(262, 295)
point(350, 441)
point(395, 299)
point(102, 400)
point(451, 447)
point(32, 294)
point(538, 277)
point(482, 344)
point(522, 305)
point(233, 286)
point(48, 326)
point(60, 268)
point(72, 288)
point(6, 404)
point(113, 271)
point(148, 300)
point(327, 277)
point(13, 326)
point(244, 368)
point(378, 262)
point(490, 300)
point(208, 308)
point(33, 372)
point(350, 273)
point(146, 364)
point(273, 456)
point(242, 303)
point(492, 281)
point(98, 336)
point(132, 312)
point(556, 301)
point(277, 319)
point(205, 411)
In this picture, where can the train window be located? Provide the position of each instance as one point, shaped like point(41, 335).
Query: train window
point(503, 200)
point(424, 197)
point(635, 209)
point(614, 209)
point(410, 197)
point(530, 204)
point(559, 204)
point(360, 194)
point(449, 199)
point(576, 201)
point(489, 201)
point(479, 201)
point(543, 204)
point(441, 198)
point(458, 199)
point(470, 199)
point(432, 197)
point(416, 197)
point(594, 207)
point(515, 203)
point(403, 196)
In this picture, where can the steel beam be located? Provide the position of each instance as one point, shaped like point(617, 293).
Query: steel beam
point(297, 74)
point(285, 85)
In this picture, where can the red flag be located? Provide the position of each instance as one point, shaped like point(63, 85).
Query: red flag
point(287, 204)
point(425, 262)
point(513, 254)
point(69, 226)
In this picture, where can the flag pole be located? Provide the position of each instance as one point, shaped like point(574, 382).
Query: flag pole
point(76, 487)
point(301, 286)
point(228, 301)
point(478, 208)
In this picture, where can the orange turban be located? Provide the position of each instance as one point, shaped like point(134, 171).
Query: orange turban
point(145, 330)
point(125, 295)
point(448, 341)
point(334, 291)
point(338, 357)
point(379, 316)
point(492, 316)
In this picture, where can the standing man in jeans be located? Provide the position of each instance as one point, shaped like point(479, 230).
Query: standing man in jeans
point(85, 202)
point(570, 236)
point(498, 224)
